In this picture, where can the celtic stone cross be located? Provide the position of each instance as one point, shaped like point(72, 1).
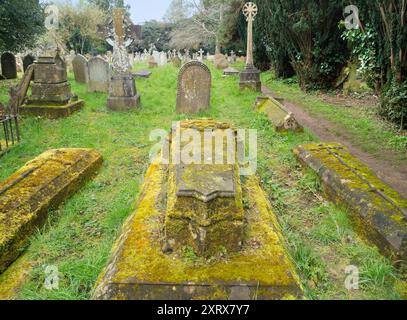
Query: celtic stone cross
point(250, 11)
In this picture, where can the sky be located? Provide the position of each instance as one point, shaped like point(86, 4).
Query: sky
point(144, 10)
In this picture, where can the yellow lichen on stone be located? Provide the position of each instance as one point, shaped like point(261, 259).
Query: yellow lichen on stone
point(138, 258)
point(380, 213)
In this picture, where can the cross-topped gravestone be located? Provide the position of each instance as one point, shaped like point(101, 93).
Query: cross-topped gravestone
point(250, 76)
point(120, 33)
point(201, 52)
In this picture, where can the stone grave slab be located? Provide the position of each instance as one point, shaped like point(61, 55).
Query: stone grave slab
point(194, 88)
point(378, 211)
point(231, 72)
point(243, 242)
point(279, 116)
point(40, 185)
point(80, 69)
point(142, 74)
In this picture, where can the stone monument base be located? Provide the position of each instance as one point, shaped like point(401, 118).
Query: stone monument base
point(250, 78)
point(52, 111)
point(123, 94)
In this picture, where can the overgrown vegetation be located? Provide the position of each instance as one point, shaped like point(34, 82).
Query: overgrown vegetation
point(81, 232)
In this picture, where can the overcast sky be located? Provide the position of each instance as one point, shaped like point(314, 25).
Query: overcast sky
point(144, 10)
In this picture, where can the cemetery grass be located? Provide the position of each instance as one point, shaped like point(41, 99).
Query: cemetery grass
point(79, 235)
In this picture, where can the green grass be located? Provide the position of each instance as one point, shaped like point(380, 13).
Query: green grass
point(360, 125)
point(80, 234)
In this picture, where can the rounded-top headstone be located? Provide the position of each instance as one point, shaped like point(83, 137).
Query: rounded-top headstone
point(80, 69)
point(27, 61)
point(194, 88)
point(9, 65)
point(99, 75)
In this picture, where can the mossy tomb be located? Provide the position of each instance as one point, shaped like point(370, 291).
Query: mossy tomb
point(42, 184)
point(243, 255)
point(379, 212)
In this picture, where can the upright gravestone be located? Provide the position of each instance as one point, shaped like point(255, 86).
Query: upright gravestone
point(120, 33)
point(99, 75)
point(27, 61)
point(9, 65)
point(80, 69)
point(194, 88)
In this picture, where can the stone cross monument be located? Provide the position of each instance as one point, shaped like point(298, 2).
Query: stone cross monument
point(250, 76)
point(120, 33)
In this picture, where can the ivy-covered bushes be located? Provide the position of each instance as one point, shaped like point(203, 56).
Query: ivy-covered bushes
point(306, 34)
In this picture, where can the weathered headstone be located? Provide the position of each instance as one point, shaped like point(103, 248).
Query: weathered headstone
point(221, 62)
point(80, 69)
point(194, 88)
point(27, 61)
point(8, 65)
point(99, 75)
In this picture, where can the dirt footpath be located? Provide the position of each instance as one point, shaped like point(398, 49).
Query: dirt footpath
point(388, 168)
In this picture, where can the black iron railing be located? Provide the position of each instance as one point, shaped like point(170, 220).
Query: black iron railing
point(9, 131)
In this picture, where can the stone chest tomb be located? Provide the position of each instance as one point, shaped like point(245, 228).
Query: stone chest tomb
point(200, 230)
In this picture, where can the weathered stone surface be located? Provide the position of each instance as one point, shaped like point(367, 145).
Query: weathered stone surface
point(99, 75)
point(27, 61)
point(194, 88)
point(80, 69)
point(281, 119)
point(51, 92)
point(231, 72)
point(142, 74)
point(52, 111)
point(379, 212)
point(176, 62)
point(250, 79)
point(204, 200)
point(8, 65)
point(123, 94)
point(40, 185)
point(145, 266)
point(221, 62)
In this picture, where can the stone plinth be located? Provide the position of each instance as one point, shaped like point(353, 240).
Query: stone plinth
point(123, 94)
point(242, 255)
point(250, 78)
point(42, 184)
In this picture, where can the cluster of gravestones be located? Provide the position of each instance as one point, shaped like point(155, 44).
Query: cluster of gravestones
point(205, 207)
